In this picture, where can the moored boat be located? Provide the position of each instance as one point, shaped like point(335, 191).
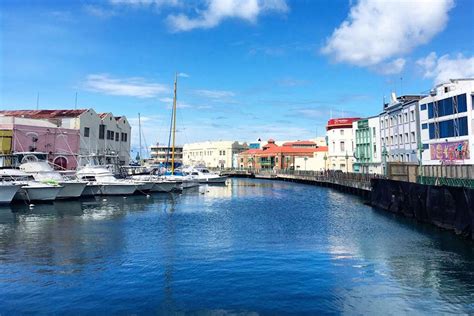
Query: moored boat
point(8, 191)
point(102, 182)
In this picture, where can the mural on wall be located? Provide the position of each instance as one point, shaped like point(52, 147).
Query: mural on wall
point(450, 151)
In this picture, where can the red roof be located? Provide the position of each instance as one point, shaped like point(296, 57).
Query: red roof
point(341, 122)
point(43, 114)
point(102, 115)
point(300, 142)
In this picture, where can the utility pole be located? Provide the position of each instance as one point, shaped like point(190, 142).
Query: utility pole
point(37, 100)
point(75, 102)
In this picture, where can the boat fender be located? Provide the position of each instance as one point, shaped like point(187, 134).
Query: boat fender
point(148, 196)
point(104, 200)
point(31, 206)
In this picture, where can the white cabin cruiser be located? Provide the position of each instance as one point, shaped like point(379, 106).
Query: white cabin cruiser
point(42, 172)
point(30, 190)
point(8, 191)
point(159, 184)
point(186, 180)
point(101, 181)
point(203, 175)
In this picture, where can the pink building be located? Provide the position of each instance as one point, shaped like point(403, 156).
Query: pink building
point(61, 145)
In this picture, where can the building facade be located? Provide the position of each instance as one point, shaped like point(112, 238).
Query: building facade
point(340, 142)
point(23, 135)
point(368, 157)
point(447, 124)
point(400, 129)
point(162, 154)
point(95, 131)
point(213, 154)
point(299, 155)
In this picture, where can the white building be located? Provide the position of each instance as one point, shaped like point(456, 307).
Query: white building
point(400, 129)
point(340, 141)
point(447, 123)
point(96, 131)
point(213, 154)
point(162, 154)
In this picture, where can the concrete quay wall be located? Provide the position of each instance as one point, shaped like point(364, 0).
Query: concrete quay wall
point(447, 207)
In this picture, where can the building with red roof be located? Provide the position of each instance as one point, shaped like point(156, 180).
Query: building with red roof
point(340, 140)
point(287, 156)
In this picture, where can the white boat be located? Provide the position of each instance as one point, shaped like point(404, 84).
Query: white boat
point(102, 182)
point(158, 184)
point(186, 180)
point(30, 190)
point(42, 172)
point(8, 191)
point(203, 175)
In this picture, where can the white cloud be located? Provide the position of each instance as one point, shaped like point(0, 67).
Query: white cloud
point(377, 30)
point(133, 87)
point(215, 94)
point(183, 75)
point(99, 11)
point(218, 10)
point(444, 68)
point(157, 3)
point(392, 67)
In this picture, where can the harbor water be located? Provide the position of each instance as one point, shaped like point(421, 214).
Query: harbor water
point(250, 247)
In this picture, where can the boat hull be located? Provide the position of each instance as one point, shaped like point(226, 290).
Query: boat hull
point(37, 194)
point(213, 180)
point(71, 190)
point(117, 189)
point(165, 187)
point(91, 190)
point(7, 192)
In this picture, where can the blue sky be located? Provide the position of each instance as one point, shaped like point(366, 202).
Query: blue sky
point(248, 69)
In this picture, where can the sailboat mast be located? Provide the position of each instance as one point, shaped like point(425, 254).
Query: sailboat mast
point(140, 136)
point(174, 123)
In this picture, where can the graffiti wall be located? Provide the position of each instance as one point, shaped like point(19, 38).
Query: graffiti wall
point(450, 151)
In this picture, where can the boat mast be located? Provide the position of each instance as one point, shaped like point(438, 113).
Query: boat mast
point(174, 123)
point(140, 137)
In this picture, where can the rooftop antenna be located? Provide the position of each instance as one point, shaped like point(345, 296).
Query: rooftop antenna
point(37, 100)
point(75, 102)
point(401, 86)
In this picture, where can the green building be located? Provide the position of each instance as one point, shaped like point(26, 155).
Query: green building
point(367, 146)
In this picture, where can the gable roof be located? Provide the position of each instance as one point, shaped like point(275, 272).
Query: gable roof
point(44, 114)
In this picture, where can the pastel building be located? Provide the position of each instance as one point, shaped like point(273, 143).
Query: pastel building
point(368, 151)
point(298, 155)
point(400, 129)
point(447, 124)
point(340, 141)
point(103, 135)
point(213, 154)
point(162, 154)
point(22, 135)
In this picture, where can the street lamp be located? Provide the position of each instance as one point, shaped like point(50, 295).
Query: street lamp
point(347, 163)
point(325, 162)
point(421, 150)
point(305, 158)
point(384, 159)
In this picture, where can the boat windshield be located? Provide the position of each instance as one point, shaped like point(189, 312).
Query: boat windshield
point(48, 176)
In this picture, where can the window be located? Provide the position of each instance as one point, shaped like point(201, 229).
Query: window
point(406, 138)
point(423, 107)
point(342, 146)
point(412, 114)
point(447, 106)
point(406, 117)
point(424, 126)
point(401, 139)
point(373, 131)
point(124, 137)
point(117, 137)
point(223, 153)
point(426, 146)
point(86, 131)
point(447, 128)
point(101, 131)
point(342, 132)
point(413, 137)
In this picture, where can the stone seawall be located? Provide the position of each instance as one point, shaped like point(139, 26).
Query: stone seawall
point(447, 207)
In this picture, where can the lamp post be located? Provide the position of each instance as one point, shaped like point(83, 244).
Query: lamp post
point(421, 150)
point(325, 162)
point(384, 159)
point(347, 163)
point(305, 158)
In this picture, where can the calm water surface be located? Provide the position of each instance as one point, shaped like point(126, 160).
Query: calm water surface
point(251, 247)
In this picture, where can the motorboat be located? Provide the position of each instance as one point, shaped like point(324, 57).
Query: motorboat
point(8, 191)
point(44, 173)
point(30, 190)
point(101, 181)
point(159, 184)
point(203, 175)
point(186, 180)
